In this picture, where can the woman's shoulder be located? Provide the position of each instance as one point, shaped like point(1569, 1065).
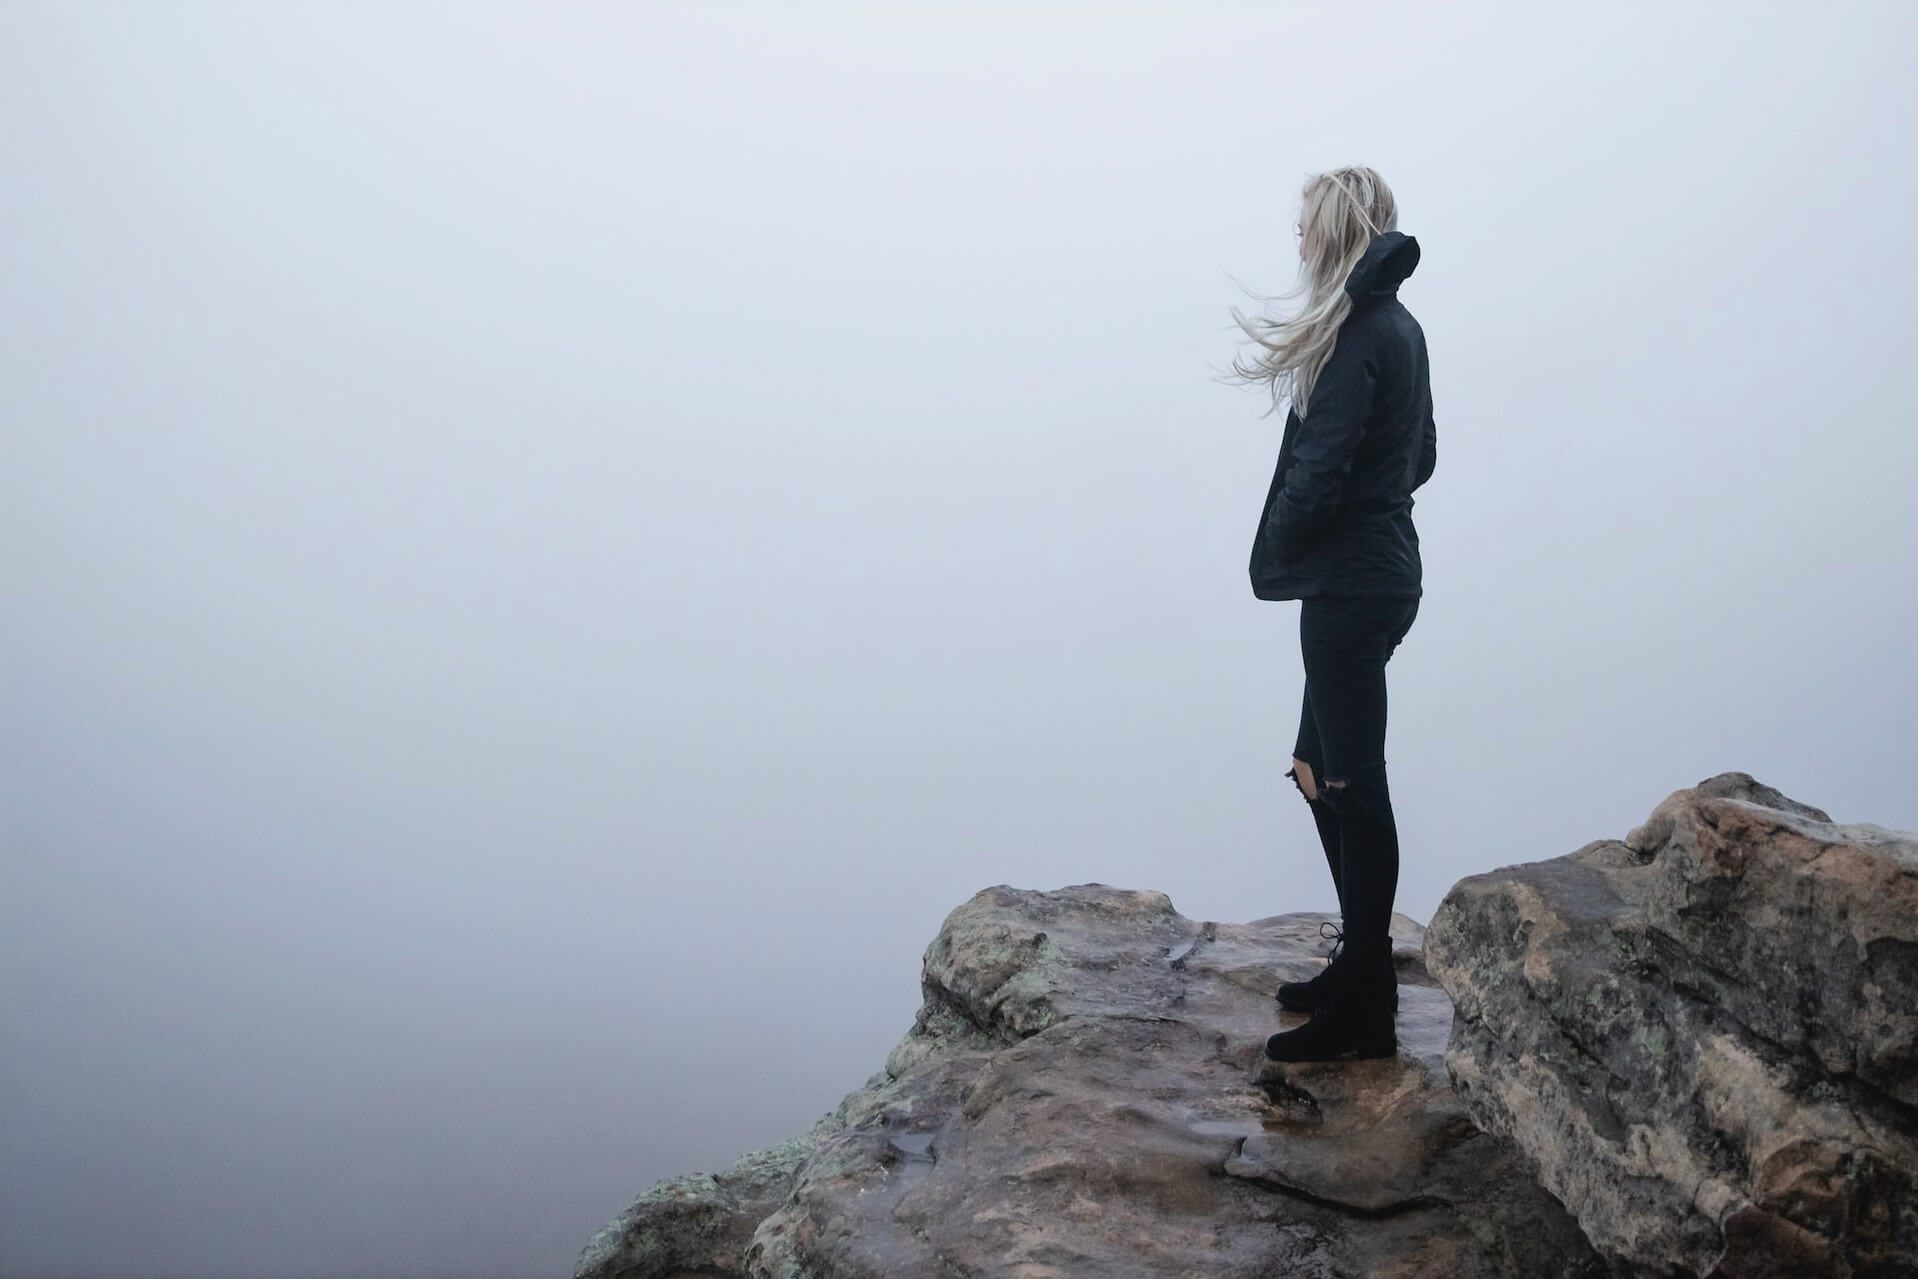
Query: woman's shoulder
point(1388, 320)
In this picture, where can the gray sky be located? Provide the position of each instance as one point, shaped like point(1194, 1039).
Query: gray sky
point(546, 547)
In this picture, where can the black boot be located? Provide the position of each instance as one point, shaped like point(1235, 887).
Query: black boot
point(1354, 1017)
point(1304, 996)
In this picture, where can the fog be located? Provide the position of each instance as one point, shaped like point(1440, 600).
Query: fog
point(546, 547)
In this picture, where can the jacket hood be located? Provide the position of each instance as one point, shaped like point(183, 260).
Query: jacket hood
point(1390, 257)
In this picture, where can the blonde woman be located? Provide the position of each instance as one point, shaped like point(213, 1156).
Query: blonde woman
point(1336, 534)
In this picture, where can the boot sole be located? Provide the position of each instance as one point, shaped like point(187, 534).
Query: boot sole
point(1309, 1005)
point(1361, 1052)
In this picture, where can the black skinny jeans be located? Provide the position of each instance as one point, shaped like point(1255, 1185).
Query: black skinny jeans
point(1346, 641)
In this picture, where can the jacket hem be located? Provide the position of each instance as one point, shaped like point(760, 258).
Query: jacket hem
point(1280, 591)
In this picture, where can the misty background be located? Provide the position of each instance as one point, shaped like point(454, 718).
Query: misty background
point(546, 547)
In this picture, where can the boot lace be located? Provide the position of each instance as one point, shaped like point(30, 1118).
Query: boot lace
point(1337, 933)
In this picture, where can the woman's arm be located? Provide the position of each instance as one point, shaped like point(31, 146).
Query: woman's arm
point(1328, 438)
point(1428, 456)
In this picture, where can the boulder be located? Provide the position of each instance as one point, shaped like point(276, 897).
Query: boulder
point(1702, 1036)
point(1084, 1094)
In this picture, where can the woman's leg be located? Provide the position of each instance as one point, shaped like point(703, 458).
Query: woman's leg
point(1308, 766)
point(1345, 644)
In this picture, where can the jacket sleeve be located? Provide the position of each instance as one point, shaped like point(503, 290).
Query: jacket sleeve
point(1328, 437)
point(1428, 455)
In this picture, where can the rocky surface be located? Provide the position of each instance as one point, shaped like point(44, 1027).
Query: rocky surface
point(1084, 1094)
point(1686, 1054)
point(1702, 1035)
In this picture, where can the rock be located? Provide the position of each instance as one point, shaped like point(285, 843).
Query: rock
point(1702, 1036)
point(699, 1222)
point(1084, 1094)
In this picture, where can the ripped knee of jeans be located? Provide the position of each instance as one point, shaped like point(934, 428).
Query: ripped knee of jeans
point(1362, 787)
point(1317, 794)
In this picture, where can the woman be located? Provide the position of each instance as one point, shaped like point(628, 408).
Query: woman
point(1336, 534)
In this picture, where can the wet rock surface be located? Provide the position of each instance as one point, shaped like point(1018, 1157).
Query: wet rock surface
point(1084, 1093)
point(1702, 1036)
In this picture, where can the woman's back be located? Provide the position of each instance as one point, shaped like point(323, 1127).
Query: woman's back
point(1338, 515)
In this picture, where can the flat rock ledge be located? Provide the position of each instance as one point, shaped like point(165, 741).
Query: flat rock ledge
point(1084, 1094)
point(1702, 1036)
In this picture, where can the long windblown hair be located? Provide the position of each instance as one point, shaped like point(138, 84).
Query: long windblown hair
point(1341, 210)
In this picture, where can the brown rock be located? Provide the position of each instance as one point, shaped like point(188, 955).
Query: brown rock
point(1702, 1036)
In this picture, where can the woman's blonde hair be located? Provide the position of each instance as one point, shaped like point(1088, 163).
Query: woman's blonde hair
point(1339, 213)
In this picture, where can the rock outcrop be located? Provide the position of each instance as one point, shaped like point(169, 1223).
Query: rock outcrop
point(1686, 1054)
point(1084, 1094)
point(1702, 1035)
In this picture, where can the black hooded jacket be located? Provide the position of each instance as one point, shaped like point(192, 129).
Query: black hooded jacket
point(1338, 517)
